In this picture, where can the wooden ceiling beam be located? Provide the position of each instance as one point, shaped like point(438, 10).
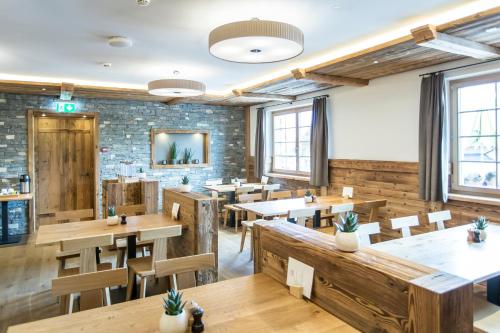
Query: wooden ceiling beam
point(67, 90)
point(334, 80)
point(271, 97)
point(428, 36)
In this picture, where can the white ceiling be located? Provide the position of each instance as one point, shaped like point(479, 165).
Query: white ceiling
point(66, 39)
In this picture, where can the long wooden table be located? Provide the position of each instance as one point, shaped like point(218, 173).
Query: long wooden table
point(230, 188)
point(281, 207)
point(449, 251)
point(255, 303)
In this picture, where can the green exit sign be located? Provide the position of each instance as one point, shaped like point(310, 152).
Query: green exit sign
point(67, 107)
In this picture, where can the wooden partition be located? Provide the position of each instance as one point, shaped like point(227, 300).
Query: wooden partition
point(120, 194)
point(369, 290)
point(199, 213)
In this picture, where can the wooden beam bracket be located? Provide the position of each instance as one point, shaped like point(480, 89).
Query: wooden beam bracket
point(271, 97)
point(334, 80)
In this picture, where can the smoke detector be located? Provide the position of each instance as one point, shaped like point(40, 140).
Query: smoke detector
point(119, 41)
point(143, 3)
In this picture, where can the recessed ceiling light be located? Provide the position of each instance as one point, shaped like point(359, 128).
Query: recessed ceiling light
point(493, 29)
point(43, 89)
point(143, 3)
point(256, 41)
point(84, 116)
point(107, 64)
point(119, 41)
point(176, 87)
point(375, 62)
point(43, 114)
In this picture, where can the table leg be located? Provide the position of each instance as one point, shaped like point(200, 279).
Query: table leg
point(493, 290)
point(232, 200)
point(132, 253)
point(373, 214)
point(317, 219)
point(97, 255)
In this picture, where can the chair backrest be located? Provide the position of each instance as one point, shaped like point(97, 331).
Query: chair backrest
point(280, 195)
point(250, 197)
point(189, 264)
point(367, 229)
point(404, 223)
point(301, 215)
point(264, 180)
point(159, 236)
point(268, 189)
point(347, 192)
point(86, 246)
point(81, 283)
point(302, 192)
point(439, 218)
point(217, 181)
point(244, 189)
point(131, 210)
point(342, 208)
point(74, 215)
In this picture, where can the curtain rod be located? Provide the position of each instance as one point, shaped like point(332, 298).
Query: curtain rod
point(298, 100)
point(464, 66)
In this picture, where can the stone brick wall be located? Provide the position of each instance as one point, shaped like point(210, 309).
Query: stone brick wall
point(125, 129)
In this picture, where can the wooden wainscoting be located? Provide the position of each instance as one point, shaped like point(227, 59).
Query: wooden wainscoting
point(398, 183)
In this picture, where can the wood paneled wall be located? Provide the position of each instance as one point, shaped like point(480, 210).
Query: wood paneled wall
point(121, 194)
point(398, 183)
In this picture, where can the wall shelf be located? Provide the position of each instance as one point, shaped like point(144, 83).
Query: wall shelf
point(196, 140)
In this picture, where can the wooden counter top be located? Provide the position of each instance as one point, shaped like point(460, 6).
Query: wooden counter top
point(16, 197)
point(255, 303)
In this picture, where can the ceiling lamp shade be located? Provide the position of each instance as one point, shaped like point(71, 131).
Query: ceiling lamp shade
point(256, 41)
point(176, 88)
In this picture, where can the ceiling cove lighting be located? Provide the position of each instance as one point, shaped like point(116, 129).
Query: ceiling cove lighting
point(256, 41)
point(176, 88)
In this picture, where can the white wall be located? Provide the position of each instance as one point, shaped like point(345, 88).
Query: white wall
point(379, 121)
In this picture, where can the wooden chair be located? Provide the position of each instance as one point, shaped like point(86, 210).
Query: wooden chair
point(86, 247)
point(121, 243)
point(264, 180)
point(88, 283)
point(300, 193)
point(186, 266)
point(404, 223)
point(367, 229)
point(280, 195)
point(268, 189)
point(301, 215)
point(144, 266)
point(241, 191)
point(65, 217)
point(439, 218)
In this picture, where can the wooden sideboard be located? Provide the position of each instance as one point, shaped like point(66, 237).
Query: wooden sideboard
point(368, 289)
point(143, 192)
point(199, 213)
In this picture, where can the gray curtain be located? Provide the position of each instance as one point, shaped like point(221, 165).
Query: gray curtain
point(319, 143)
point(260, 155)
point(433, 140)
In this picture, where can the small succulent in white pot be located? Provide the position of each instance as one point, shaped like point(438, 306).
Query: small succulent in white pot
point(185, 186)
point(480, 225)
point(112, 218)
point(308, 196)
point(175, 317)
point(347, 238)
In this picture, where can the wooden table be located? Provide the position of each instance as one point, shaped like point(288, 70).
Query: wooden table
point(255, 303)
point(281, 207)
point(5, 199)
point(449, 251)
point(230, 188)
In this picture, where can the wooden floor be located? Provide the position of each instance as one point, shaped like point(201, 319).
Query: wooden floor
point(26, 272)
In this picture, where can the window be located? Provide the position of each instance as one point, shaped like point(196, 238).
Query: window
point(476, 134)
point(291, 141)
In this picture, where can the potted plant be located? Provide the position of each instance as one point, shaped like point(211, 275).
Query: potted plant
point(236, 182)
point(174, 319)
point(172, 153)
point(478, 230)
point(185, 186)
point(188, 155)
point(347, 238)
point(112, 218)
point(141, 174)
point(308, 197)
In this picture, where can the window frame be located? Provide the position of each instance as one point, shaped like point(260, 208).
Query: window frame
point(454, 85)
point(296, 111)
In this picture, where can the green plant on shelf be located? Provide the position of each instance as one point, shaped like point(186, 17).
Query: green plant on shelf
point(173, 152)
point(185, 180)
point(349, 223)
point(188, 155)
point(173, 304)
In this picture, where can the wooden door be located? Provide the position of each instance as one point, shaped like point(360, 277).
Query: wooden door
point(64, 165)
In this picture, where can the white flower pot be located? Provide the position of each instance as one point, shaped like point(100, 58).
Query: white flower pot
point(112, 220)
point(174, 324)
point(185, 188)
point(347, 241)
point(141, 175)
point(483, 234)
point(308, 199)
